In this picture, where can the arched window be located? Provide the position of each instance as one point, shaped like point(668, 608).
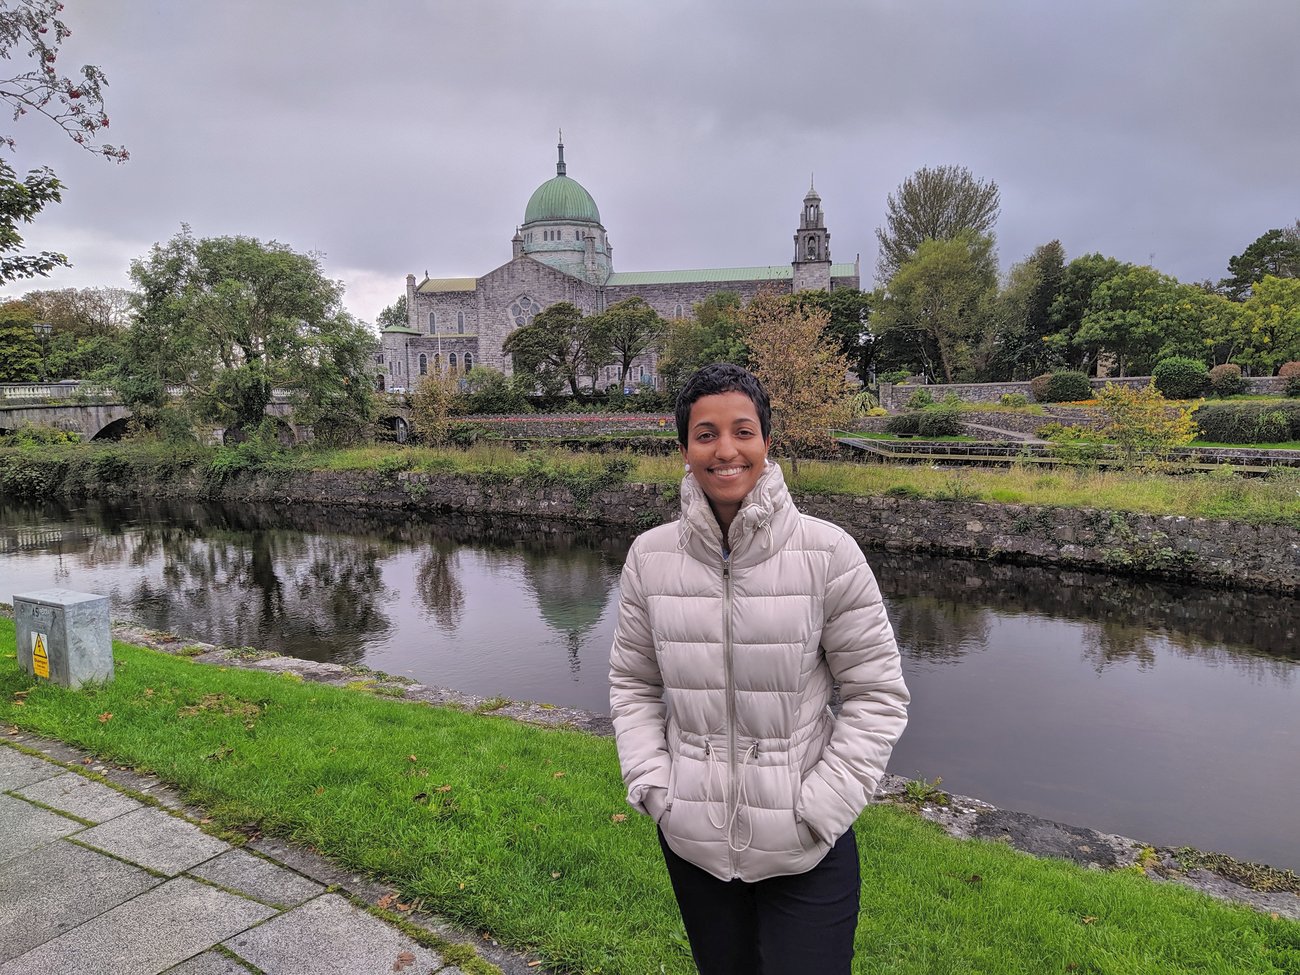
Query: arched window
point(677, 312)
point(433, 321)
point(424, 364)
point(437, 363)
point(451, 361)
point(812, 248)
point(460, 321)
point(469, 361)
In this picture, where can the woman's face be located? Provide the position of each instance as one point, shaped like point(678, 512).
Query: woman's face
point(726, 449)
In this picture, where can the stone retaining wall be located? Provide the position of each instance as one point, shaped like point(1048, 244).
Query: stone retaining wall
point(1204, 550)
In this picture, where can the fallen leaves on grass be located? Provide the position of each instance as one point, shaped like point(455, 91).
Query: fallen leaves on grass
point(618, 818)
point(106, 717)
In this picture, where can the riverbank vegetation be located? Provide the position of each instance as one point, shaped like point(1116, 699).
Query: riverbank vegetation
point(37, 469)
point(523, 832)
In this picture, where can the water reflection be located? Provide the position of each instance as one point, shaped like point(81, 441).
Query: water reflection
point(1077, 696)
point(945, 611)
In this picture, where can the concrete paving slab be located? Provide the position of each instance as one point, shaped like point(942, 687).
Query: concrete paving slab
point(18, 770)
point(257, 878)
point(209, 963)
point(81, 797)
point(25, 827)
point(52, 889)
point(328, 936)
point(147, 935)
point(154, 839)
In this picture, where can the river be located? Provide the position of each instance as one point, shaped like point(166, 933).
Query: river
point(1164, 712)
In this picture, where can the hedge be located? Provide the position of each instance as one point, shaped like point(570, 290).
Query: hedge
point(1249, 422)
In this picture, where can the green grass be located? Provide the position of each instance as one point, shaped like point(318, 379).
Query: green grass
point(523, 832)
point(1284, 445)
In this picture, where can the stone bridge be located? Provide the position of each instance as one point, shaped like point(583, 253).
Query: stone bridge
point(95, 412)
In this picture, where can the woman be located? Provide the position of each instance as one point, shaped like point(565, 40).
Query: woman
point(733, 623)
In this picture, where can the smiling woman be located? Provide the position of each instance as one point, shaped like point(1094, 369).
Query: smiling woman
point(733, 624)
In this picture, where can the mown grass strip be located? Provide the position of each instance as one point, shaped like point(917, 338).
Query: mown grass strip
point(523, 832)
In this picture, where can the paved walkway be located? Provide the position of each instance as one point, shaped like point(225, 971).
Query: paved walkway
point(94, 882)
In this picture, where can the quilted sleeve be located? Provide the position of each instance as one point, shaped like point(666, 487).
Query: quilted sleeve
point(636, 699)
point(860, 650)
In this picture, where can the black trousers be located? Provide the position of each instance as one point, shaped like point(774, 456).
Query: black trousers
point(796, 925)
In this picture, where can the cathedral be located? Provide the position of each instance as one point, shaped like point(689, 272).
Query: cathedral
point(561, 252)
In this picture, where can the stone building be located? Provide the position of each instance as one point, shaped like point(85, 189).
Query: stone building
point(561, 252)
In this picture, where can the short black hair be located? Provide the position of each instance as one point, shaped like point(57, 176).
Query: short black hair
point(722, 377)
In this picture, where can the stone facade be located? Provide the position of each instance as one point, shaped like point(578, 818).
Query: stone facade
point(562, 253)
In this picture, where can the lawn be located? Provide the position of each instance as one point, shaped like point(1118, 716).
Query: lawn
point(523, 832)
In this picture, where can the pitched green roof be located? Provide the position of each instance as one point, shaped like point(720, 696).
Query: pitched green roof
point(561, 198)
point(447, 284)
point(401, 330)
point(718, 275)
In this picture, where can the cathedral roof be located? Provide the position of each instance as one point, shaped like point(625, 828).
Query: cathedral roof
point(561, 198)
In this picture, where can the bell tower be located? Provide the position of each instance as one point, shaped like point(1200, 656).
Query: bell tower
point(812, 247)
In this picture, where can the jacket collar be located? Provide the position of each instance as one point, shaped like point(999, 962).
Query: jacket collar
point(764, 522)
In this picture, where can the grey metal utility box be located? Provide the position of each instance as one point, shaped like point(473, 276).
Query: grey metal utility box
point(64, 636)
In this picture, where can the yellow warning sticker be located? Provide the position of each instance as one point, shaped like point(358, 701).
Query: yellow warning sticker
point(40, 657)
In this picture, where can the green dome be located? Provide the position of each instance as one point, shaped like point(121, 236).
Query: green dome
point(561, 198)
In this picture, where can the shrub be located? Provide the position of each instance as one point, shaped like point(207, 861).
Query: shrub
point(919, 400)
point(1293, 386)
point(1038, 387)
point(1066, 387)
point(940, 421)
point(1244, 423)
point(1179, 377)
point(904, 424)
point(1289, 370)
point(1273, 426)
point(894, 377)
point(1013, 399)
point(1143, 423)
point(1225, 380)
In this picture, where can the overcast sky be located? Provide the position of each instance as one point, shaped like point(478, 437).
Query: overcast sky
point(396, 137)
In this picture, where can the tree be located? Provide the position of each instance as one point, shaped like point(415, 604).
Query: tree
point(940, 302)
point(628, 329)
point(1023, 314)
point(1142, 316)
point(1269, 324)
point(87, 326)
point(934, 204)
point(394, 314)
point(559, 346)
point(850, 315)
point(1276, 252)
point(715, 334)
point(1143, 423)
point(1081, 277)
point(30, 30)
point(229, 320)
point(804, 372)
point(433, 404)
point(20, 355)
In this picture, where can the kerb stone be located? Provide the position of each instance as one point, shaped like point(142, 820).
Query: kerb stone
point(24, 827)
point(53, 889)
point(328, 936)
point(155, 840)
point(146, 935)
point(80, 797)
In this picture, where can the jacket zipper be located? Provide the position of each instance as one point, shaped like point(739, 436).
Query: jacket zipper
point(731, 707)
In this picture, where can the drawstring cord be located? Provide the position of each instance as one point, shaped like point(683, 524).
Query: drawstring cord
point(742, 800)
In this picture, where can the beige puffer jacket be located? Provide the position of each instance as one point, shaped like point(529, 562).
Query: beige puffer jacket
point(721, 676)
